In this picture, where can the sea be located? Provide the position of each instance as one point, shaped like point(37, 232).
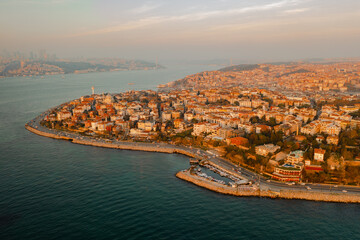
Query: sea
point(54, 189)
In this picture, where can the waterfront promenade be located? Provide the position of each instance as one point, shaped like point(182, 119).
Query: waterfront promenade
point(266, 188)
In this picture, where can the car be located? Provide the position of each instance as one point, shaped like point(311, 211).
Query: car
point(302, 184)
point(344, 190)
point(335, 185)
point(268, 180)
point(308, 188)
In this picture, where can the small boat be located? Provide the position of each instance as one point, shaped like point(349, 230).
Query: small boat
point(131, 83)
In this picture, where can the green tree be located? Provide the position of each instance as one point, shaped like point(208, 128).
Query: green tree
point(281, 105)
point(272, 121)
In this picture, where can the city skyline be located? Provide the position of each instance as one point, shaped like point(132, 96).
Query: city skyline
point(196, 30)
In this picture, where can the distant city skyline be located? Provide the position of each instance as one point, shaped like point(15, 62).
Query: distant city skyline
point(257, 30)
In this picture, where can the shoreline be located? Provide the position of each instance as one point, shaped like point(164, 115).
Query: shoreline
point(119, 145)
point(256, 192)
point(199, 181)
point(77, 73)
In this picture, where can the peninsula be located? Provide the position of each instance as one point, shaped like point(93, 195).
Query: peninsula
point(266, 142)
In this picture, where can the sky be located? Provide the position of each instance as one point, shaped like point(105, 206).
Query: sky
point(246, 30)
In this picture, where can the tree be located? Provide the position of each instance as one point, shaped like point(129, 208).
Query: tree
point(294, 147)
point(216, 143)
point(281, 105)
point(255, 119)
point(315, 144)
point(144, 100)
point(270, 101)
point(263, 119)
point(347, 155)
point(272, 121)
point(194, 120)
point(169, 124)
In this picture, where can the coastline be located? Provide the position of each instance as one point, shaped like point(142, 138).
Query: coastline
point(88, 72)
point(282, 194)
point(200, 181)
point(118, 145)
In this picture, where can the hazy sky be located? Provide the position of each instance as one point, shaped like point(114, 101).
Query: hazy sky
point(186, 29)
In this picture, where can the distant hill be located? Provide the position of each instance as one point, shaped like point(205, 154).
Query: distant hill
point(293, 72)
point(239, 68)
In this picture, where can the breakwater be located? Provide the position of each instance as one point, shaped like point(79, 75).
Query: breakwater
point(252, 191)
point(217, 187)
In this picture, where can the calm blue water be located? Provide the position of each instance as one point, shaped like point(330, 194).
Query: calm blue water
point(52, 189)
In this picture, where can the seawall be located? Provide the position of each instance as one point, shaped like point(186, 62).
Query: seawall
point(216, 187)
point(45, 134)
point(147, 147)
point(285, 194)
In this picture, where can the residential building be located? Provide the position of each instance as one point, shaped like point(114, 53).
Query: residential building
point(319, 154)
point(266, 149)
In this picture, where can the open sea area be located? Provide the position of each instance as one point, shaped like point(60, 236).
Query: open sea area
point(54, 189)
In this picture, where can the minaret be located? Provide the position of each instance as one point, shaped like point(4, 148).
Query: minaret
point(93, 90)
point(297, 129)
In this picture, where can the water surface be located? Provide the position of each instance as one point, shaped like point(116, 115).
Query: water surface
point(53, 189)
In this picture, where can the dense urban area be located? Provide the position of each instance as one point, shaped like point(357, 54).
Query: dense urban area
point(43, 63)
point(296, 122)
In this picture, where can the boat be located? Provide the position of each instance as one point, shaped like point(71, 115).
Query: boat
point(131, 83)
point(194, 161)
